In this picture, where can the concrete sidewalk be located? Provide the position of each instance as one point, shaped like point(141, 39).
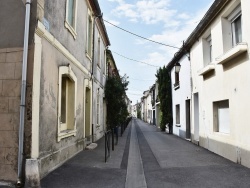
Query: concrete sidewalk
point(88, 168)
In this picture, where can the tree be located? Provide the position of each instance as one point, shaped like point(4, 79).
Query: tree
point(165, 97)
point(115, 94)
point(138, 109)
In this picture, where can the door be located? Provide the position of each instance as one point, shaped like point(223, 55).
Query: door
point(188, 131)
point(196, 116)
point(87, 114)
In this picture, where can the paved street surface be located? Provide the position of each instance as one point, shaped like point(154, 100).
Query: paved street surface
point(146, 157)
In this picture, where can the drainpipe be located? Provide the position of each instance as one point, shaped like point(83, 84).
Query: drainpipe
point(23, 92)
point(92, 77)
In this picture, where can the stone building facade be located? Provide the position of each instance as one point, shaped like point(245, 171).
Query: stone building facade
point(65, 74)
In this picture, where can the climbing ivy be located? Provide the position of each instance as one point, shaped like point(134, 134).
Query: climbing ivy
point(165, 96)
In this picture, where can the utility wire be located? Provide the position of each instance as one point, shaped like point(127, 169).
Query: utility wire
point(134, 94)
point(139, 79)
point(134, 89)
point(140, 36)
point(134, 59)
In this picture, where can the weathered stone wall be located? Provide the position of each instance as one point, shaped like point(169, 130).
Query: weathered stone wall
point(10, 91)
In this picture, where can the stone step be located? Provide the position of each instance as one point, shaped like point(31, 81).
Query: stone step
point(91, 146)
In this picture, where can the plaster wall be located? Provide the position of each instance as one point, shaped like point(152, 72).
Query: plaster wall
point(99, 128)
point(157, 106)
point(180, 95)
point(51, 152)
point(55, 13)
point(149, 110)
point(142, 110)
point(226, 82)
point(12, 26)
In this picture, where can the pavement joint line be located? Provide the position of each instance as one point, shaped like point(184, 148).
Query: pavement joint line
point(135, 177)
point(147, 143)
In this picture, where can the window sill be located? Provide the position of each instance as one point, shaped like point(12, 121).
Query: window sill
point(98, 67)
point(176, 86)
point(88, 56)
point(71, 29)
point(221, 134)
point(232, 53)
point(178, 125)
point(206, 69)
point(65, 134)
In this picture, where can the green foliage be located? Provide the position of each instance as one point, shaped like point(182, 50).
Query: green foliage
point(115, 96)
point(138, 111)
point(165, 96)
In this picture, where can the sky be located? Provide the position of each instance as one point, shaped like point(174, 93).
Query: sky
point(165, 21)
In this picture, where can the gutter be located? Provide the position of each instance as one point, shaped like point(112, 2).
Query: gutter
point(23, 93)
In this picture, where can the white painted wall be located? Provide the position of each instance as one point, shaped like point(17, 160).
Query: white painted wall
point(134, 111)
point(180, 95)
point(157, 106)
point(149, 117)
point(229, 81)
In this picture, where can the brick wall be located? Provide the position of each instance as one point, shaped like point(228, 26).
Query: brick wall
point(10, 89)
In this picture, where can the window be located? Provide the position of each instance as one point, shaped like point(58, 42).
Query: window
point(177, 80)
point(98, 108)
point(236, 30)
point(89, 34)
point(177, 114)
point(210, 55)
point(233, 44)
point(67, 103)
point(232, 24)
point(71, 15)
point(149, 114)
point(99, 52)
point(207, 50)
point(221, 116)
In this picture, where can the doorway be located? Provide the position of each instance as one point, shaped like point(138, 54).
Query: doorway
point(196, 117)
point(87, 114)
point(188, 131)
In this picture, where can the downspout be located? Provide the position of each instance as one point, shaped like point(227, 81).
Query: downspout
point(23, 92)
point(92, 76)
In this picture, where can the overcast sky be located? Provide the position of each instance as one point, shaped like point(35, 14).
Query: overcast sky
point(166, 21)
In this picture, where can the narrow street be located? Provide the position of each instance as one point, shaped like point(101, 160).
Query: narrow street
point(147, 157)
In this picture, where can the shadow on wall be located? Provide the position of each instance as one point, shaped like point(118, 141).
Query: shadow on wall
point(235, 62)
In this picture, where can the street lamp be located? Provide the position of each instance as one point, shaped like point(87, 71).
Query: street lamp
point(177, 67)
